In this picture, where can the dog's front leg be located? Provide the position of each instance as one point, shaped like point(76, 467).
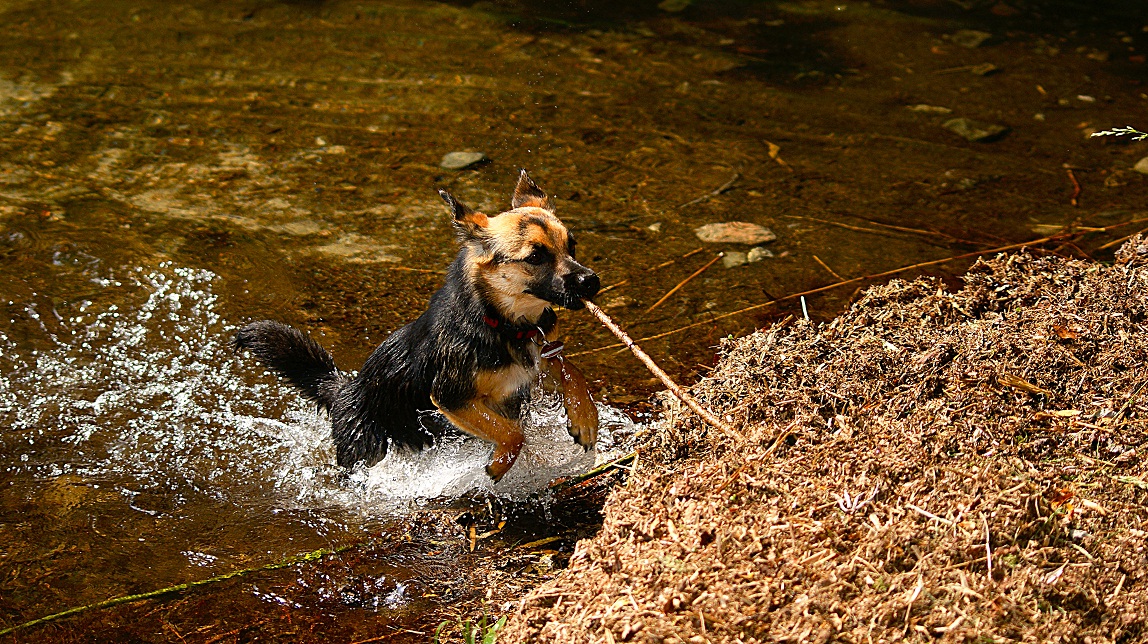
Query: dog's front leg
point(478, 419)
point(576, 399)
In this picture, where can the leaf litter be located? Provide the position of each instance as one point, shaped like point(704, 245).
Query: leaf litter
point(931, 465)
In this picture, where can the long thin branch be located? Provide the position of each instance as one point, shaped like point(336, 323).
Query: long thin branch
point(680, 393)
point(715, 192)
point(127, 599)
point(990, 251)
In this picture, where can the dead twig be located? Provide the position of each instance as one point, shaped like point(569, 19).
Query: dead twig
point(1076, 189)
point(684, 282)
point(310, 557)
point(925, 513)
point(988, 548)
point(874, 231)
point(618, 463)
point(654, 268)
point(826, 267)
point(713, 193)
point(680, 393)
point(1123, 239)
point(408, 269)
point(775, 154)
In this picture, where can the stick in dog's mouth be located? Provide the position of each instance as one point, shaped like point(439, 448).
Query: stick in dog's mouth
point(674, 388)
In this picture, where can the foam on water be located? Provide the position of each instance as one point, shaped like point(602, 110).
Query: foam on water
point(147, 391)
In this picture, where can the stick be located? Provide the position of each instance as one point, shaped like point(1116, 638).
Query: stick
point(674, 261)
point(999, 249)
point(680, 393)
point(587, 475)
point(713, 193)
point(775, 154)
point(1121, 239)
point(988, 548)
point(903, 229)
point(127, 599)
point(614, 286)
point(1076, 189)
point(826, 267)
point(654, 268)
point(685, 281)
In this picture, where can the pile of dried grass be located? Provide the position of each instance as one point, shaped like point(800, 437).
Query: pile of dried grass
point(929, 465)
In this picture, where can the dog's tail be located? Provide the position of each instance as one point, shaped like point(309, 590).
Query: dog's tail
point(296, 357)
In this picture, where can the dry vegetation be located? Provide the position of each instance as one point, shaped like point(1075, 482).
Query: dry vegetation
point(931, 465)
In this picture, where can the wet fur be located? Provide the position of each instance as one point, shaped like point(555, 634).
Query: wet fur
point(451, 358)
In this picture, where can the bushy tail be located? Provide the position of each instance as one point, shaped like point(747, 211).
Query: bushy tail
point(296, 357)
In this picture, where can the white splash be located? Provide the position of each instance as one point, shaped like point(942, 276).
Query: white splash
point(147, 391)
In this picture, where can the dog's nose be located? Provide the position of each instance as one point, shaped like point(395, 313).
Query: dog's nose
point(584, 285)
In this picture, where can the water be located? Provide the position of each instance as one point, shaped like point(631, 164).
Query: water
point(169, 173)
point(136, 418)
point(149, 392)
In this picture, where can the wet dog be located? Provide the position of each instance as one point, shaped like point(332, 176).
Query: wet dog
point(473, 355)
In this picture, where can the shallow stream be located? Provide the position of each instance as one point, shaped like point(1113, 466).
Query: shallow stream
point(170, 172)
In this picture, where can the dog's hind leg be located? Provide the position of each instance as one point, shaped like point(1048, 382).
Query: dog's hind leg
point(478, 419)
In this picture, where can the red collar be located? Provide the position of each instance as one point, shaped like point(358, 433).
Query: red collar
point(518, 335)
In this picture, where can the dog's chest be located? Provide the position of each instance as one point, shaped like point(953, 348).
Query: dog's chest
point(506, 381)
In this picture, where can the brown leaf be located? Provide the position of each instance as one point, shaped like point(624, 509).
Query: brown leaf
point(1064, 333)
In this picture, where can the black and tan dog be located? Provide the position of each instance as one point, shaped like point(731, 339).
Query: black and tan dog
point(473, 355)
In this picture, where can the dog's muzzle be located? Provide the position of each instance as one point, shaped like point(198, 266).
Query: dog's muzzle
point(582, 284)
point(568, 289)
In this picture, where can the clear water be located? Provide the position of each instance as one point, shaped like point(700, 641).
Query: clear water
point(283, 157)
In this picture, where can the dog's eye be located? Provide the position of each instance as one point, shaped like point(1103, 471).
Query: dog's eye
point(538, 257)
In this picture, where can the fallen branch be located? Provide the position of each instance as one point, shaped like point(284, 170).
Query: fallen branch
point(680, 393)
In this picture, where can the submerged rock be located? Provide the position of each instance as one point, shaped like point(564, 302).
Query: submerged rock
point(976, 131)
point(984, 69)
point(970, 38)
point(1141, 166)
point(734, 232)
point(461, 160)
point(733, 259)
point(758, 253)
point(929, 109)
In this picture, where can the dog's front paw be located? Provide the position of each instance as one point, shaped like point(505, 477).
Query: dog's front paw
point(585, 430)
point(580, 408)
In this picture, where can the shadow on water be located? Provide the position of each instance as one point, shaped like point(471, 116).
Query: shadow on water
point(169, 172)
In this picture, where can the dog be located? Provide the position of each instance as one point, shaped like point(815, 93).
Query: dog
point(473, 355)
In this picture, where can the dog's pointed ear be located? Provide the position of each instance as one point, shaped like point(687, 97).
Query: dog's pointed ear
point(467, 222)
point(527, 193)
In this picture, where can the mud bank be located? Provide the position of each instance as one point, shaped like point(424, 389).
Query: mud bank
point(962, 466)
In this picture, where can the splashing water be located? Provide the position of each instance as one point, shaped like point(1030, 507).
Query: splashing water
point(152, 393)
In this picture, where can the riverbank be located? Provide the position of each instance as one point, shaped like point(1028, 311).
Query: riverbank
point(963, 465)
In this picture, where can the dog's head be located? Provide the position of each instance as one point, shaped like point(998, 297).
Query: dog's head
point(522, 260)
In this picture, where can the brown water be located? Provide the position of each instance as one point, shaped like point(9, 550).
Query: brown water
point(169, 172)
